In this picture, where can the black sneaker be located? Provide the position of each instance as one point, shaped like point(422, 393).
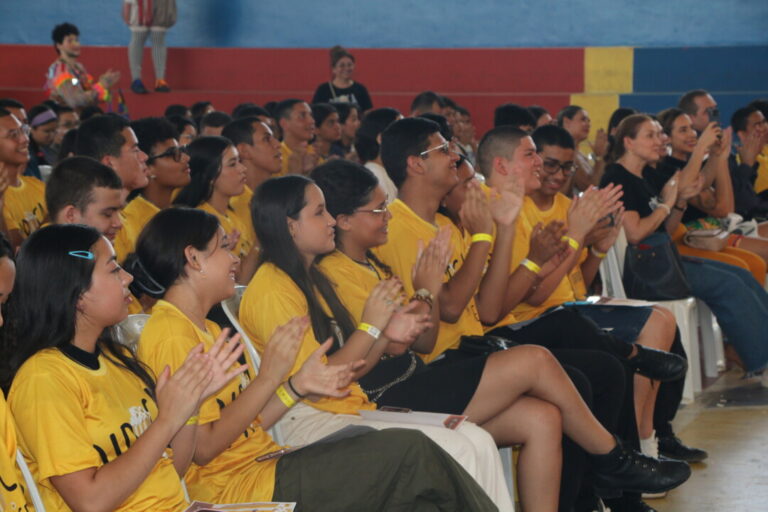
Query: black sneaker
point(673, 448)
point(657, 364)
point(622, 469)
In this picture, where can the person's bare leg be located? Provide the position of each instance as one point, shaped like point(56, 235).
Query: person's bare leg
point(532, 370)
point(537, 426)
point(659, 333)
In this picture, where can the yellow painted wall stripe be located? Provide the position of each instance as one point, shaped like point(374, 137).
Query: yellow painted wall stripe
point(599, 107)
point(608, 69)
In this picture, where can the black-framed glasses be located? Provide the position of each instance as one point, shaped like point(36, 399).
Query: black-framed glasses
point(174, 152)
point(444, 148)
point(551, 166)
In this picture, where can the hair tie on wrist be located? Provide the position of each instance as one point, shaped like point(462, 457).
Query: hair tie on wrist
point(290, 385)
point(598, 254)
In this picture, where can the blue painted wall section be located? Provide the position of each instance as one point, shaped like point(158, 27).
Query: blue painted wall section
point(409, 23)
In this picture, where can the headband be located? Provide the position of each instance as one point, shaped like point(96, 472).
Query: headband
point(42, 118)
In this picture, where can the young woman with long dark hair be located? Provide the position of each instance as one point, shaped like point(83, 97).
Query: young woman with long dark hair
point(182, 259)
point(217, 177)
point(93, 423)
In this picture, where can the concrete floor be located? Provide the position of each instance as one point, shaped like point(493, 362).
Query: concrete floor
point(730, 421)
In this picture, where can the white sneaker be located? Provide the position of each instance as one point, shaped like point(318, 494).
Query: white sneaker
point(650, 447)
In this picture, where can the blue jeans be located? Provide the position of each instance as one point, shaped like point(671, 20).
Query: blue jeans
point(739, 303)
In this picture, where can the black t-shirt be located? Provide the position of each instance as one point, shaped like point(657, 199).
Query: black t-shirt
point(638, 192)
point(669, 166)
point(355, 93)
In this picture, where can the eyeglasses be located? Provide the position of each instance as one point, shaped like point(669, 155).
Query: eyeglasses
point(375, 211)
point(18, 133)
point(174, 152)
point(444, 148)
point(552, 166)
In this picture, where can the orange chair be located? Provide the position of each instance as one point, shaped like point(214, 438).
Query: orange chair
point(730, 255)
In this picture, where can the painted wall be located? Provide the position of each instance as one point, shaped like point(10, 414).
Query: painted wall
point(409, 23)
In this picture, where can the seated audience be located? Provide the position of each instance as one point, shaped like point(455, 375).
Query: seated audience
point(93, 424)
point(738, 302)
point(701, 107)
point(43, 125)
point(541, 115)
point(751, 128)
point(184, 261)
point(342, 88)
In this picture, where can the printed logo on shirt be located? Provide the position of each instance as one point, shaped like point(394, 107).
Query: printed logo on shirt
point(10, 506)
point(139, 420)
point(32, 220)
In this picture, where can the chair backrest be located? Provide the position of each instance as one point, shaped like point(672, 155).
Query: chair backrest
point(231, 307)
point(129, 330)
point(612, 266)
point(32, 490)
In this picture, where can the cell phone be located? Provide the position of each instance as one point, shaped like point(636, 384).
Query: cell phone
point(714, 114)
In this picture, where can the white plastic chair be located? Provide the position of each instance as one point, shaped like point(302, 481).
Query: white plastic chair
point(231, 307)
point(611, 270)
point(32, 490)
point(711, 341)
point(129, 330)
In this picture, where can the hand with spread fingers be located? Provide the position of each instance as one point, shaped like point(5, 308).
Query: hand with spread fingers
point(282, 348)
point(474, 214)
point(223, 356)
point(382, 303)
point(179, 395)
point(317, 378)
point(431, 262)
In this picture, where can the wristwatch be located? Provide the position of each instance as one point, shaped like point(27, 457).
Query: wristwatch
point(424, 295)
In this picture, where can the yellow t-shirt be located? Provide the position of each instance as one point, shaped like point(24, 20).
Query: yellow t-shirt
point(230, 223)
point(761, 183)
point(406, 228)
point(12, 486)
point(570, 287)
point(352, 281)
point(233, 476)
point(287, 152)
point(24, 206)
point(271, 300)
point(134, 216)
point(242, 207)
point(71, 417)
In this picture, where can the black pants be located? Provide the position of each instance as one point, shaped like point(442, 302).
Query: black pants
point(670, 395)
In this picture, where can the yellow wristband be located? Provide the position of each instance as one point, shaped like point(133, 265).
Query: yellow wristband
point(598, 254)
point(482, 237)
point(285, 396)
point(573, 243)
point(533, 267)
point(373, 331)
point(193, 420)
